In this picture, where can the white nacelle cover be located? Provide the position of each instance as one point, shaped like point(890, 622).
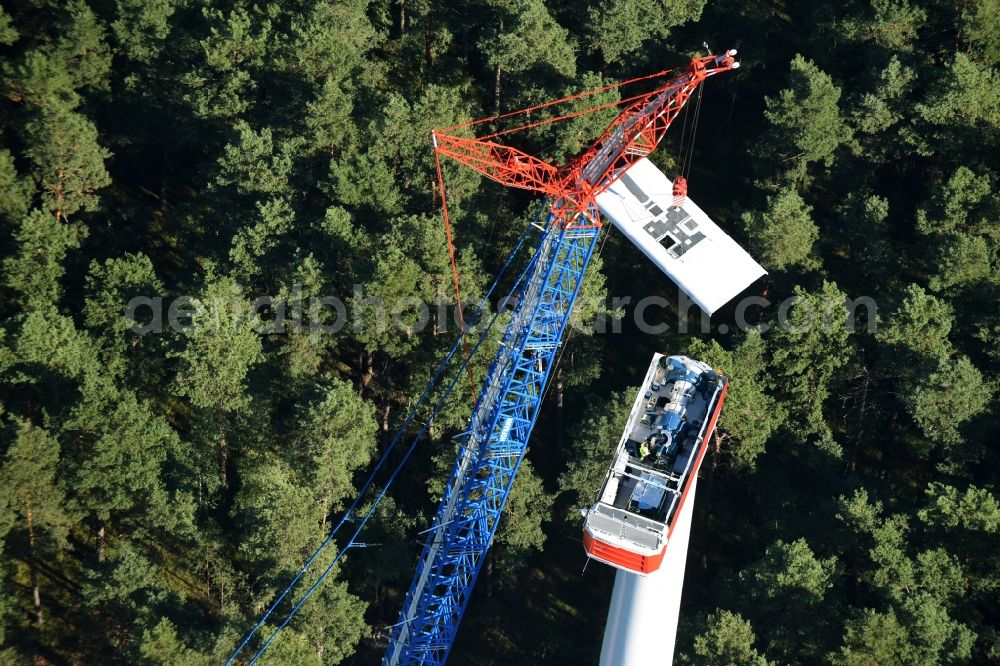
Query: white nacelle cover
point(685, 244)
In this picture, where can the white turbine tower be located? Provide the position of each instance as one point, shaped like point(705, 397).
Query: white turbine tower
point(642, 617)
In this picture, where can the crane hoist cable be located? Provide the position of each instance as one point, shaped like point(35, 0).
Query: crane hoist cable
point(685, 152)
point(694, 131)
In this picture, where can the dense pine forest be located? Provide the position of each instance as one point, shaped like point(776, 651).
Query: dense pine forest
point(166, 468)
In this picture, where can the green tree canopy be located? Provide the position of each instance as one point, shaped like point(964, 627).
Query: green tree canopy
point(784, 234)
point(728, 639)
point(592, 443)
point(810, 347)
point(751, 415)
point(805, 118)
point(618, 29)
point(941, 412)
point(37, 269)
point(68, 161)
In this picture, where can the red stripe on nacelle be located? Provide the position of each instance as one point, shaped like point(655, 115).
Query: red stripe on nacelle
point(621, 557)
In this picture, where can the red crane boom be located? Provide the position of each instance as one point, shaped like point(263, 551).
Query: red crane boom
point(573, 188)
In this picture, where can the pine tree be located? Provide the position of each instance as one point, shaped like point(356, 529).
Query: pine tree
point(8, 33)
point(785, 233)
point(221, 350)
point(966, 97)
point(809, 350)
point(520, 532)
point(981, 31)
point(591, 446)
point(279, 518)
point(790, 580)
point(335, 436)
point(161, 646)
point(806, 124)
point(141, 28)
point(751, 415)
point(728, 639)
point(110, 288)
point(892, 25)
point(882, 116)
point(620, 29)
point(124, 445)
point(30, 490)
point(974, 509)
point(399, 163)
point(68, 160)
point(510, 44)
point(222, 84)
point(918, 330)
point(874, 638)
point(57, 67)
point(37, 269)
point(940, 414)
point(51, 341)
point(15, 192)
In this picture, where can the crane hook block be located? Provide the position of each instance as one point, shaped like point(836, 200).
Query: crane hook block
point(680, 191)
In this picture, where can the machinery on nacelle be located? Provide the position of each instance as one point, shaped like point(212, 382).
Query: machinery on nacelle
point(659, 453)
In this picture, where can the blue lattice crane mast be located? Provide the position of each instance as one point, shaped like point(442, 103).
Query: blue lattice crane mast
point(493, 446)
